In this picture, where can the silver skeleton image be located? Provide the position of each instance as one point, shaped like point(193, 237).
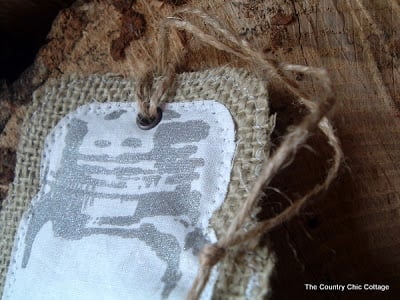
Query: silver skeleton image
point(76, 187)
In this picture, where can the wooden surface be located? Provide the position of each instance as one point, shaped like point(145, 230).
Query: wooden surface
point(351, 233)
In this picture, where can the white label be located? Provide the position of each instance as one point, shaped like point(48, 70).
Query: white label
point(122, 212)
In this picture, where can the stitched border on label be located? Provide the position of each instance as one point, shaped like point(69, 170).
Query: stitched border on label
point(243, 95)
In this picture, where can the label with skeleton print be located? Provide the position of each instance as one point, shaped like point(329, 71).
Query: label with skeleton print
point(122, 212)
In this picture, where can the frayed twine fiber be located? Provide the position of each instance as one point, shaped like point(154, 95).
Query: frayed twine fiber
point(150, 98)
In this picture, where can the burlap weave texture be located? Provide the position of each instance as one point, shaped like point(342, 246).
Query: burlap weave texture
point(246, 99)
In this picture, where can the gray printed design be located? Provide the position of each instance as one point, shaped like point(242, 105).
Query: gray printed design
point(145, 183)
point(115, 114)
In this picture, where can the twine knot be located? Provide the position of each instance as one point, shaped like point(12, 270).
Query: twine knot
point(150, 92)
point(144, 92)
point(211, 254)
point(155, 85)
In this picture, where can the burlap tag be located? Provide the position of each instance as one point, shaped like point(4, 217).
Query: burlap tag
point(244, 272)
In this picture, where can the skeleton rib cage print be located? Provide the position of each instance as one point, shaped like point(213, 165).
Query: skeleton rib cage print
point(161, 178)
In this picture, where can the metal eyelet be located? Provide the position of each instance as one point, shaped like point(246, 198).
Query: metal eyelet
point(146, 123)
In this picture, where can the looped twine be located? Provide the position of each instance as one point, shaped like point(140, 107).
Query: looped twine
point(150, 97)
point(152, 87)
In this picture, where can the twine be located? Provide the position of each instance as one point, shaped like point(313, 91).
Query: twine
point(264, 68)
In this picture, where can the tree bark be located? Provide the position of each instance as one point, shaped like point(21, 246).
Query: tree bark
point(349, 234)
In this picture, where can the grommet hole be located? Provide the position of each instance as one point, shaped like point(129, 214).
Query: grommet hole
point(146, 123)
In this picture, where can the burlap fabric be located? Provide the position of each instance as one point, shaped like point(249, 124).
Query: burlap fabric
point(244, 272)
